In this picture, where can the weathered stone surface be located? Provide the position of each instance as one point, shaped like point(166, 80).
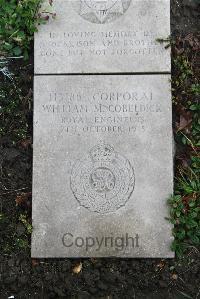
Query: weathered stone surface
point(104, 37)
point(102, 166)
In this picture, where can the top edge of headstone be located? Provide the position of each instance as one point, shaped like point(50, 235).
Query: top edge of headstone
point(104, 36)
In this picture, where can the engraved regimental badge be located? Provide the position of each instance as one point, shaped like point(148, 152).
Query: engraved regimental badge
point(102, 11)
point(103, 180)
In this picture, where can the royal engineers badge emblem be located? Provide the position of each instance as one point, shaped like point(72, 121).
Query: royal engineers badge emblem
point(103, 180)
point(101, 11)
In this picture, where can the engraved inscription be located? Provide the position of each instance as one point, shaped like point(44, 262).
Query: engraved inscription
point(113, 112)
point(103, 180)
point(104, 36)
point(101, 11)
point(100, 43)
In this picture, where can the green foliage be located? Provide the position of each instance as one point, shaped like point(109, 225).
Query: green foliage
point(13, 235)
point(185, 204)
point(185, 210)
point(2, 218)
point(21, 243)
point(186, 85)
point(184, 69)
point(195, 88)
point(195, 127)
point(24, 219)
point(18, 22)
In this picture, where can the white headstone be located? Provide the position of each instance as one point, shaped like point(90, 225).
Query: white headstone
point(104, 36)
point(102, 166)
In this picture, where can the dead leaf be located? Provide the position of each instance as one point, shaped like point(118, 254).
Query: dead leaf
point(34, 262)
point(22, 198)
point(185, 119)
point(25, 143)
point(161, 265)
point(174, 276)
point(192, 41)
point(179, 51)
point(77, 269)
point(184, 159)
point(93, 260)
